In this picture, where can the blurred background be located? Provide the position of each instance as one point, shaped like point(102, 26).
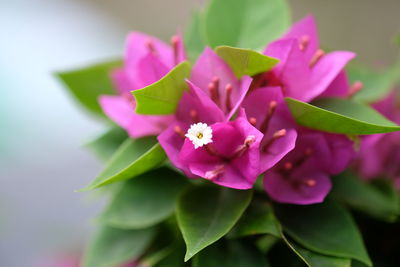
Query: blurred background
point(42, 130)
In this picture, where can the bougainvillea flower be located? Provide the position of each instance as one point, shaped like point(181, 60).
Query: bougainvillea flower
point(212, 75)
point(268, 113)
point(147, 60)
point(302, 176)
point(304, 71)
point(194, 107)
point(231, 159)
point(379, 154)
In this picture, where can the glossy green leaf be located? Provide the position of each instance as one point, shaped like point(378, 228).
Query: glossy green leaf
point(245, 23)
point(111, 246)
point(205, 214)
point(314, 259)
point(245, 61)
point(257, 219)
point(107, 143)
point(133, 157)
point(87, 84)
point(340, 116)
point(162, 97)
point(326, 229)
point(266, 242)
point(230, 253)
point(146, 200)
point(378, 198)
point(376, 84)
point(194, 36)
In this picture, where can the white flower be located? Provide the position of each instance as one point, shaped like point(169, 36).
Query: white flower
point(200, 134)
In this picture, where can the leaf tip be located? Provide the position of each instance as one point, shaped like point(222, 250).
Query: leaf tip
point(188, 256)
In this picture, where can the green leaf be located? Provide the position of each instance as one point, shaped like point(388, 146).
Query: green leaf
point(230, 253)
point(245, 61)
point(317, 260)
point(107, 143)
point(146, 200)
point(194, 36)
point(340, 116)
point(87, 84)
point(111, 246)
point(325, 228)
point(257, 219)
point(133, 157)
point(397, 40)
point(376, 84)
point(162, 97)
point(378, 198)
point(245, 23)
point(205, 214)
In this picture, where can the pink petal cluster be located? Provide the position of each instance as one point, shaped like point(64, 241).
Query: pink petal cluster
point(379, 154)
point(253, 132)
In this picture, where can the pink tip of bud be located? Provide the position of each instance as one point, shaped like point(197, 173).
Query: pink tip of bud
point(249, 140)
point(309, 151)
point(150, 45)
point(310, 182)
point(175, 40)
point(215, 79)
point(316, 57)
point(211, 86)
point(355, 88)
point(253, 121)
point(229, 87)
point(279, 134)
point(194, 115)
point(273, 104)
point(213, 174)
point(178, 130)
point(304, 41)
point(288, 165)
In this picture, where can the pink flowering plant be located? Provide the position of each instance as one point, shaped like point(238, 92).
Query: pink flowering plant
point(242, 143)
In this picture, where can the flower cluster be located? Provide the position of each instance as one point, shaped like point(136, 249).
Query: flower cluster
point(229, 130)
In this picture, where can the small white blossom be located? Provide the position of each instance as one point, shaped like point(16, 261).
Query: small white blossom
point(200, 134)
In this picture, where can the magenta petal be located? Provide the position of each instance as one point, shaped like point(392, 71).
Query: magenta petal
point(122, 82)
point(342, 151)
point(122, 112)
point(137, 46)
point(339, 86)
point(239, 95)
point(232, 178)
point(295, 190)
point(208, 111)
point(234, 170)
point(278, 149)
point(256, 105)
point(172, 143)
point(197, 101)
point(326, 70)
point(257, 102)
point(210, 65)
point(370, 161)
point(249, 162)
point(150, 69)
point(293, 70)
point(306, 28)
